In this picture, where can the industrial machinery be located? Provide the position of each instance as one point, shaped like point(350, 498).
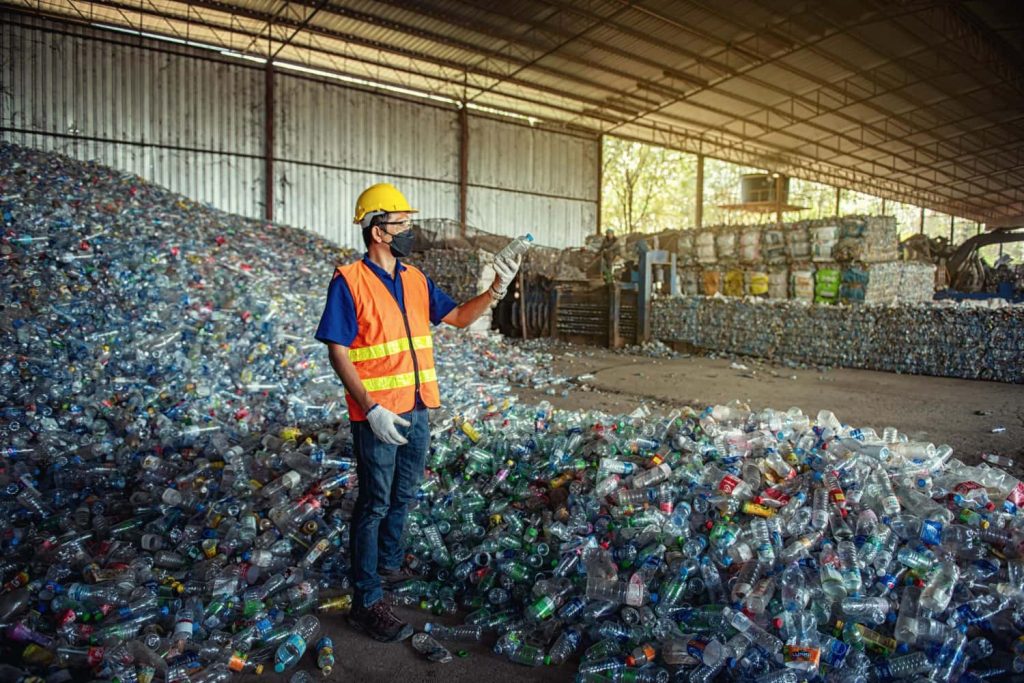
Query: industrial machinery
point(961, 267)
point(591, 311)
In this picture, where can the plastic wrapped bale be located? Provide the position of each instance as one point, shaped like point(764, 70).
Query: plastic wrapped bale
point(756, 282)
point(917, 281)
point(726, 245)
point(773, 246)
point(801, 282)
point(689, 281)
point(704, 247)
point(685, 250)
point(823, 238)
point(854, 281)
point(869, 239)
point(887, 282)
point(710, 281)
point(826, 284)
point(750, 245)
point(778, 282)
point(733, 284)
point(798, 243)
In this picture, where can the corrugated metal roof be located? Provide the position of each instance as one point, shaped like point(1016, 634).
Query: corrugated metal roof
point(867, 94)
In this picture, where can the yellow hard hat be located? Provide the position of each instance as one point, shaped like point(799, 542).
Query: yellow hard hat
point(381, 197)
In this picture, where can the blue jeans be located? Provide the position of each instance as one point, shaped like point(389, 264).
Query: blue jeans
point(389, 477)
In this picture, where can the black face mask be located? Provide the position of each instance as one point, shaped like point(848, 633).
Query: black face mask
point(401, 244)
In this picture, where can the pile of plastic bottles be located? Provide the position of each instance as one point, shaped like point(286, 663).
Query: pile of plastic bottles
point(940, 339)
point(748, 545)
point(175, 488)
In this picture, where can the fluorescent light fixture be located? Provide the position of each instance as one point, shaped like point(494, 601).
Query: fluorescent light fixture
point(239, 55)
point(501, 112)
point(156, 36)
point(364, 82)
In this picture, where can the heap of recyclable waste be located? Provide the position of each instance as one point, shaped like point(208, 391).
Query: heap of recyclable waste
point(176, 489)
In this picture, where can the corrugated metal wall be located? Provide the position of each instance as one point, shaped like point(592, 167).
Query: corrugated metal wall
point(190, 121)
point(332, 142)
point(524, 179)
point(190, 124)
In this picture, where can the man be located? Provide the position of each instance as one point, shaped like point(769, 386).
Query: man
point(376, 325)
point(609, 252)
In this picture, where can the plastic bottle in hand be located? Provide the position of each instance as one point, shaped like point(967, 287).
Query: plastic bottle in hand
point(294, 646)
point(516, 247)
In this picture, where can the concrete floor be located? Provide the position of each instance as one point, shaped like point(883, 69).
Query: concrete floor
point(929, 408)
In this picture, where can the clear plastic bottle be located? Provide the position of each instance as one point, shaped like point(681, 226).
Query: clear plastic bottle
point(517, 247)
point(632, 592)
point(567, 643)
point(802, 651)
point(756, 634)
point(902, 667)
point(830, 572)
point(290, 651)
point(325, 655)
point(938, 590)
point(653, 476)
point(473, 633)
point(430, 648)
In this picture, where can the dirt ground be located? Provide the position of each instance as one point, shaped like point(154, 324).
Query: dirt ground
point(928, 408)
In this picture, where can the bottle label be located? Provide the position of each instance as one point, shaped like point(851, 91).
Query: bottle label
point(775, 494)
point(931, 532)
point(966, 487)
point(758, 510)
point(728, 484)
point(695, 647)
point(1016, 496)
point(796, 654)
point(836, 653)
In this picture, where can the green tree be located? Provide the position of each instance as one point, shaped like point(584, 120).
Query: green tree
point(646, 188)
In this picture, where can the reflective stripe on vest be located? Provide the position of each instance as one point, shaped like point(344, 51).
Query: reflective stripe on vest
point(406, 379)
point(390, 348)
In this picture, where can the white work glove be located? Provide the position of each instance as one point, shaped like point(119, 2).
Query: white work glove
point(382, 422)
point(505, 269)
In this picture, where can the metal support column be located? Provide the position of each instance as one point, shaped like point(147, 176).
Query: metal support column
point(268, 141)
point(951, 230)
point(839, 196)
point(645, 294)
point(522, 303)
point(600, 181)
point(698, 207)
point(921, 227)
point(463, 167)
point(614, 314)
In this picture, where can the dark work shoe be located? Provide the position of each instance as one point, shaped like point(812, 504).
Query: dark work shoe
point(379, 622)
point(392, 577)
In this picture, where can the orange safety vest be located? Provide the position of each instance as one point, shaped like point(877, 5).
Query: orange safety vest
point(393, 351)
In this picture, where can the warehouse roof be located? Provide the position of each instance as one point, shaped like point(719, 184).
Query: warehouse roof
point(913, 100)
